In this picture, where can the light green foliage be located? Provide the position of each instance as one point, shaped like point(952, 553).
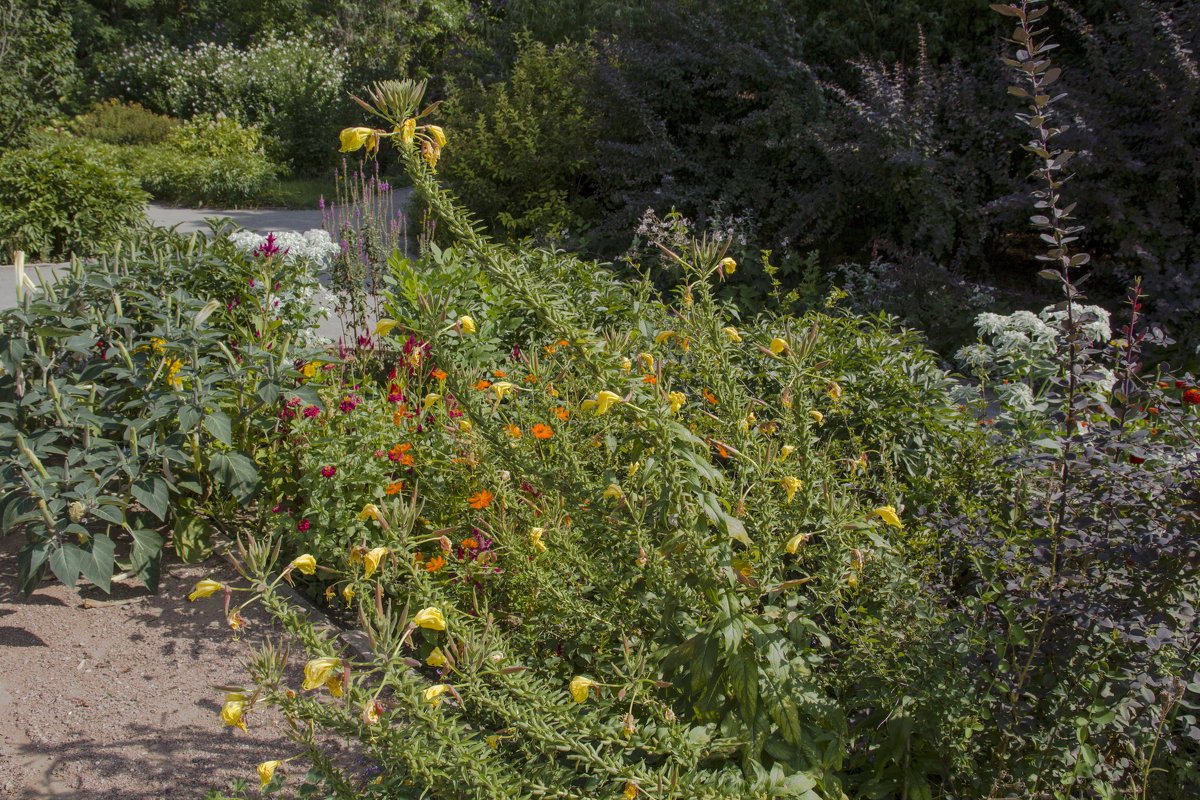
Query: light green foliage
point(56, 199)
point(37, 65)
point(115, 122)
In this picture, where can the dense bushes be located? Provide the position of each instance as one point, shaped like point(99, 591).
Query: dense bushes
point(115, 122)
point(56, 199)
point(37, 65)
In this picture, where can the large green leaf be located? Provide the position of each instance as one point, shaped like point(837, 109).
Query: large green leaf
point(97, 563)
point(217, 423)
point(66, 562)
point(147, 557)
point(237, 472)
point(151, 492)
point(31, 563)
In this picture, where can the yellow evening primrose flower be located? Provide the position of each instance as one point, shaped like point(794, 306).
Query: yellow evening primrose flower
point(647, 361)
point(370, 713)
point(348, 593)
point(663, 336)
point(613, 492)
point(587, 405)
point(835, 391)
point(354, 138)
point(319, 671)
point(729, 265)
point(604, 401)
point(433, 693)
point(371, 511)
point(794, 543)
point(437, 133)
point(205, 588)
point(431, 400)
point(232, 711)
point(535, 537)
point(778, 346)
point(467, 324)
point(580, 688)
point(889, 516)
point(407, 129)
point(732, 333)
point(626, 365)
point(371, 560)
point(631, 789)
point(384, 326)
point(792, 484)
point(430, 618)
point(305, 563)
point(786, 451)
point(266, 771)
point(634, 467)
point(501, 388)
point(818, 416)
point(437, 658)
point(676, 399)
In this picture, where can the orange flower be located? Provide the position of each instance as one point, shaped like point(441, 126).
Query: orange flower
point(468, 543)
point(721, 450)
point(650, 378)
point(481, 500)
point(563, 342)
point(395, 488)
point(397, 418)
point(531, 378)
point(406, 460)
point(710, 397)
point(439, 375)
point(561, 413)
point(482, 385)
point(500, 374)
point(513, 431)
point(435, 563)
point(542, 431)
point(550, 349)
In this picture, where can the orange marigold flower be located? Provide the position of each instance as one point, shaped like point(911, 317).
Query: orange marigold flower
point(562, 413)
point(550, 349)
point(710, 397)
point(650, 378)
point(543, 431)
point(435, 563)
point(439, 375)
point(406, 460)
point(482, 385)
point(397, 418)
point(395, 488)
point(513, 431)
point(468, 543)
point(499, 374)
point(481, 500)
point(531, 378)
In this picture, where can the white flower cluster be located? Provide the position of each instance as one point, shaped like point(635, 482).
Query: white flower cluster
point(313, 250)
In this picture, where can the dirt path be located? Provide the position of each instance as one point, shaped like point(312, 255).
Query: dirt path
point(117, 702)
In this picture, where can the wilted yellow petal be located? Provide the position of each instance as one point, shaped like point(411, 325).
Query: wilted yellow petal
point(437, 133)
point(205, 588)
point(791, 484)
point(266, 771)
point(371, 560)
point(676, 399)
point(663, 336)
point(305, 563)
point(319, 670)
point(354, 138)
point(407, 129)
point(889, 516)
point(501, 388)
point(232, 711)
point(467, 324)
point(613, 492)
point(430, 618)
point(732, 333)
point(433, 693)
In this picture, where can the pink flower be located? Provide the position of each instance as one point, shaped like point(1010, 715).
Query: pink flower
point(312, 411)
point(302, 525)
point(278, 509)
point(328, 472)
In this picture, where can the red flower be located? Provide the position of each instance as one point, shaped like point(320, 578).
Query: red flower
point(1192, 397)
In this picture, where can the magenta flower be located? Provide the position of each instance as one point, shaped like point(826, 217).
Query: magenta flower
point(311, 411)
point(302, 525)
point(328, 472)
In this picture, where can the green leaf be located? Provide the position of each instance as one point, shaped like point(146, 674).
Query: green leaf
point(147, 557)
point(217, 423)
point(31, 563)
point(152, 493)
point(66, 562)
point(98, 562)
point(269, 392)
point(237, 472)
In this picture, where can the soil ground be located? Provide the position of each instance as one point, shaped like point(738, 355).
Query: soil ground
point(116, 702)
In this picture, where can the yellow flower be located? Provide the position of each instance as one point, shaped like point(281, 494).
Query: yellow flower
point(626, 365)
point(786, 451)
point(613, 492)
point(310, 369)
point(580, 688)
point(437, 133)
point(634, 467)
point(729, 264)
point(437, 658)
point(604, 401)
point(501, 388)
point(384, 326)
point(467, 324)
point(334, 685)
point(370, 713)
point(535, 537)
point(663, 336)
point(587, 405)
point(433, 693)
point(835, 391)
point(493, 741)
point(676, 399)
point(778, 346)
point(464, 425)
point(371, 511)
point(792, 485)
point(818, 416)
point(205, 588)
point(266, 771)
point(431, 400)
point(407, 129)
point(354, 138)
point(631, 789)
point(305, 563)
point(794, 543)
point(172, 371)
point(232, 711)
point(371, 560)
point(732, 333)
point(319, 671)
point(889, 516)
point(347, 593)
point(647, 361)
point(430, 618)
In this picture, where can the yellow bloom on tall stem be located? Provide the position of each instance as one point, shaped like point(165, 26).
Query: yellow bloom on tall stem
point(319, 671)
point(433, 693)
point(371, 511)
point(889, 516)
point(786, 451)
point(430, 618)
point(663, 336)
point(407, 129)
point(732, 333)
point(305, 563)
point(371, 560)
point(729, 265)
point(676, 399)
point(436, 659)
point(437, 133)
point(580, 688)
point(605, 400)
point(205, 588)
point(792, 485)
point(266, 771)
point(354, 138)
point(501, 388)
point(613, 492)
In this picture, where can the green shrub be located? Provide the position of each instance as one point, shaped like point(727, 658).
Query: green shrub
point(115, 122)
point(208, 161)
point(57, 199)
point(37, 65)
point(521, 147)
